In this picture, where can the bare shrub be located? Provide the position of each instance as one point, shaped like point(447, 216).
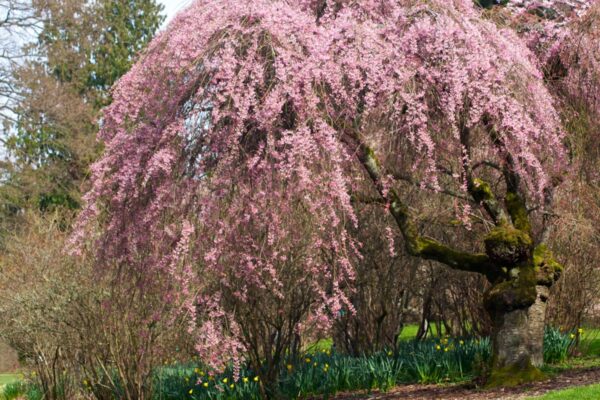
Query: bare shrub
point(86, 333)
point(384, 287)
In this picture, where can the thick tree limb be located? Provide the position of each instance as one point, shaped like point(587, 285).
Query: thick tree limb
point(480, 190)
point(514, 201)
point(416, 245)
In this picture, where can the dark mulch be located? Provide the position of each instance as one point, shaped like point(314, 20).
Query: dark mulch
point(569, 378)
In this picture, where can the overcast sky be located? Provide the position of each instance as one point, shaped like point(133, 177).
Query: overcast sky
point(173, 6)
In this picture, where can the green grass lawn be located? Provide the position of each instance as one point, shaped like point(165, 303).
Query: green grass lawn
point(5, 379)
point(591, 392)
point(408, 333)
point(8, 378)
point(590, 342)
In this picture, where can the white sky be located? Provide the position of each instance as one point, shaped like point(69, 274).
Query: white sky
point(172, 7)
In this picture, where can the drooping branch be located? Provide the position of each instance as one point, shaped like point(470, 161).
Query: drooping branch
point(416, 245)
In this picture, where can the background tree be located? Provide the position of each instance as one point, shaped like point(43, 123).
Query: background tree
point(81, 50)
point(17, 19)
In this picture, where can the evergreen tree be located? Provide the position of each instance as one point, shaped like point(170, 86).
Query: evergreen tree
point(82, 49)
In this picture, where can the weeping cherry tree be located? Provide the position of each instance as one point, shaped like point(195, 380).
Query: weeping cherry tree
point(238, 144)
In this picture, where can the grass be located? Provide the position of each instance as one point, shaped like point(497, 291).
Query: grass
point(5, 379)
point(408, 333)
point(590, 342)
point(591, 392)
point(9, 386)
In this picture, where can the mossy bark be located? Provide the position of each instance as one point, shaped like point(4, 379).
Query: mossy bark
point(517, 341)
point(517, 304)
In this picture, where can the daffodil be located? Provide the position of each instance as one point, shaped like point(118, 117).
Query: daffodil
point(225, 380)
point(232, 386)
point(290, 367)
point(256, 379)
point(572, 336)
point(245, 379)
point(191, 391)
point(307, 360)
point(438, 347)
point(205, 384)
point(580, 331)
point(461, 342)
point(390, 353)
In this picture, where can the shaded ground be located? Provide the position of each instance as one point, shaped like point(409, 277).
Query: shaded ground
point(568, 378)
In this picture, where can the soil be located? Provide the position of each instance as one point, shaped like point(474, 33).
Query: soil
point(569, 378)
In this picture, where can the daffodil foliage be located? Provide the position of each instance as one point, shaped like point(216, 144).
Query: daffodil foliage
point(234, 147)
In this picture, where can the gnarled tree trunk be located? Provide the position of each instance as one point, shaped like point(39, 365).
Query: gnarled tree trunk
point(517, 340)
